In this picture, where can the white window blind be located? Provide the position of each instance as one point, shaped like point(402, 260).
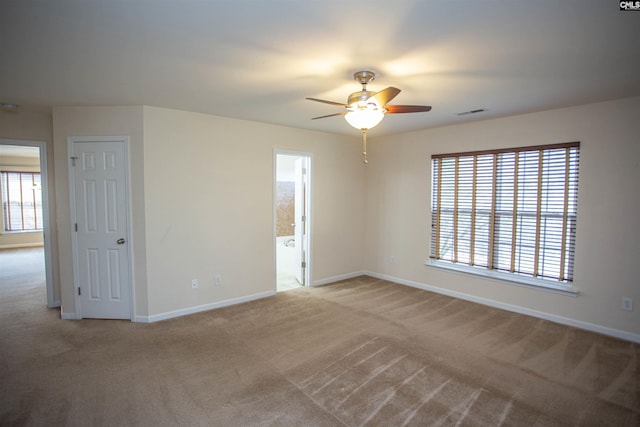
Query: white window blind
point(22, 201)
point(511, 210)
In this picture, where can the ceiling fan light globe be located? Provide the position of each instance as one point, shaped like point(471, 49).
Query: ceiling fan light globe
point(364, 118)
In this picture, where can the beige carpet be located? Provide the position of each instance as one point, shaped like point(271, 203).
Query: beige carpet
point(359, 352)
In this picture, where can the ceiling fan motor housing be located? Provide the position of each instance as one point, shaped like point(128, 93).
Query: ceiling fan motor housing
point(359, 97)
point(363, 100)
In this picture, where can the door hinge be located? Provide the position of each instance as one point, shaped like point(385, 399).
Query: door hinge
point(79, 291)
point(73, 160)
point(76, 227)
point(304, 264)
point(304, 171)
point(304, 218)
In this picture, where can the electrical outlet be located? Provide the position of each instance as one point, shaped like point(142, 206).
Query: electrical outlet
point(217, 280)
point(627, 304)
point(194, 283)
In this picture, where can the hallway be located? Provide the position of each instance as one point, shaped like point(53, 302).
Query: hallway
point(22, 279)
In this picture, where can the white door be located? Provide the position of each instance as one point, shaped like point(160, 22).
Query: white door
point(99, 170)
point(300, 215)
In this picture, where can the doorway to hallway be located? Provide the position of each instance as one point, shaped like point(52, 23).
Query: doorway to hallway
point(292, 219)
point(30, 225)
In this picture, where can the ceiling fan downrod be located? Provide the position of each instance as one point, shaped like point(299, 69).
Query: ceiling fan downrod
point(364, 146)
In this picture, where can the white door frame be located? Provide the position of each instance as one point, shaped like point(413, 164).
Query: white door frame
point(72, 198)
point(46, 226)
point(300, 230)
point(308, 198)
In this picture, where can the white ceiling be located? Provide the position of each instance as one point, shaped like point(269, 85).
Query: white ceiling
point(259, 59)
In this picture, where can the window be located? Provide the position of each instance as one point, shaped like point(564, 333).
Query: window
point(511, 211)
point(21, 201)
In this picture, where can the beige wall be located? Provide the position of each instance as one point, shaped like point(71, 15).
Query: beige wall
point(38, 126)
point(21, 240)
point(202, 203)
point(23, 124)
point(99, 121)
point(209, 206)
point(607, 248)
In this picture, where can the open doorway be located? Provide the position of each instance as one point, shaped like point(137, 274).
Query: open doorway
point(292, 219)
point(25, 227)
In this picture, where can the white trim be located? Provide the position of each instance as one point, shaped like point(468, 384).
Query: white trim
point(338, 278)
point(46, 227)
point(510, 278)
point(310, 215)
point(617, 333)
point(201, 308)
point(72, 221)
point(69, 316)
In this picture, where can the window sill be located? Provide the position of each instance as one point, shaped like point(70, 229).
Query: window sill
point(514, 279)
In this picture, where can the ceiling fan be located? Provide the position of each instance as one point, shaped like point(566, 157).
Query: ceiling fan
point(365, 109)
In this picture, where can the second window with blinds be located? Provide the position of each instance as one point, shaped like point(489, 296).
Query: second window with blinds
point(509, 212)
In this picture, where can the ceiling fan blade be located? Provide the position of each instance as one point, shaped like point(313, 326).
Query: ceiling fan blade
point(327, 102)
point(397, 109)
point(330, 115)
point(386, 95)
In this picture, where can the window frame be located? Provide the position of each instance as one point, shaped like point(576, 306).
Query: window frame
point(38, 207)
point(469, 209)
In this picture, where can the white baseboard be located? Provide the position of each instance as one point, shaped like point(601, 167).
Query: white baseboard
point(334, 279)
point(200, 308)
point(68, 316)
point(629, 336)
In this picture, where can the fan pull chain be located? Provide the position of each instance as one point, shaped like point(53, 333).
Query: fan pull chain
point(364, 145)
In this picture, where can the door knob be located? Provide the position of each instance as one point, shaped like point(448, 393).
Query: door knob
point(120, 241)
